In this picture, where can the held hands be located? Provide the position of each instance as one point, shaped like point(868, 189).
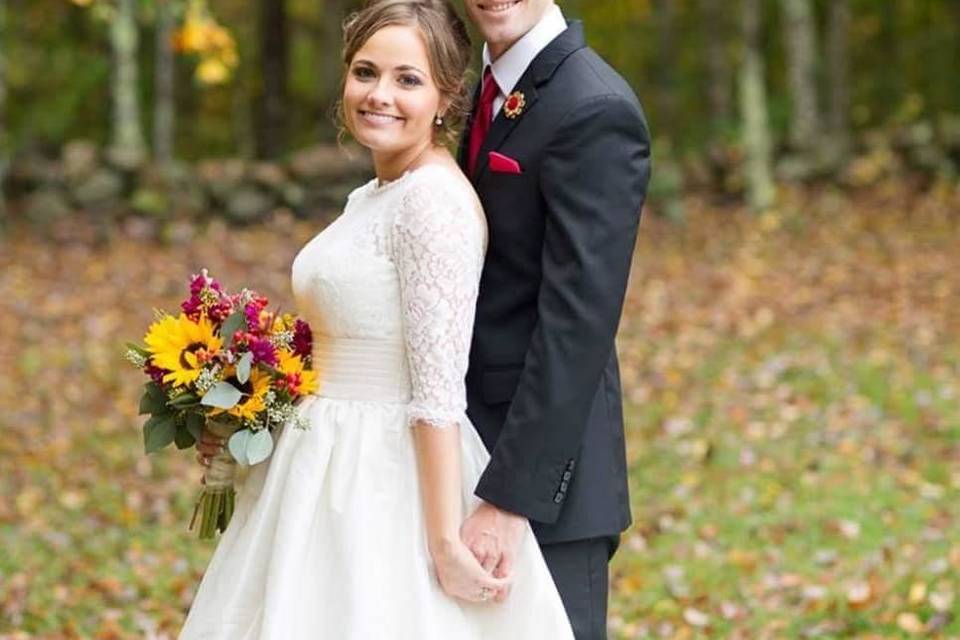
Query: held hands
point(461, 575)
point(494, 536)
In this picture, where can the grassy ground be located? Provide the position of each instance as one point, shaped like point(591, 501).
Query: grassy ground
point(793, 415)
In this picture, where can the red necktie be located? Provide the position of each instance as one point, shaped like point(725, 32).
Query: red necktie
point(482, 117)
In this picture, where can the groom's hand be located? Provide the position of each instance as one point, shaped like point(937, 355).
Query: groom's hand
point(494, 536)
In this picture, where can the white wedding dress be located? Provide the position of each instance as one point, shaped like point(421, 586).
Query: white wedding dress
point(328, 538)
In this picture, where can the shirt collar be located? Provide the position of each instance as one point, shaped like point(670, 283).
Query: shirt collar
point(510, 67)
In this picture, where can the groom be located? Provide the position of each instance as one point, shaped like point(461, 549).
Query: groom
point(558, 149)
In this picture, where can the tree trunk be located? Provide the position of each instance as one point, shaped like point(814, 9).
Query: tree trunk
point(274, 64)
point(838, 73)
point(718, 63)
point(664, 14)
point(4, 151)
point(164, 112)
point(128, 149)
point(892, 87)
point(330, 64)
point(801, 40)
point(753, 108)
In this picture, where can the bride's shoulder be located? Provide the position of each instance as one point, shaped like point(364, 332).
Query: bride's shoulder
point(360, 190)
point(439, 201)
point(444, 187)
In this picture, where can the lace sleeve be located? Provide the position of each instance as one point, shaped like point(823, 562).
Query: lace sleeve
point(438, 250)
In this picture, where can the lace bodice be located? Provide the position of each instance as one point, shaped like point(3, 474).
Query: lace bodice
point(400, 269)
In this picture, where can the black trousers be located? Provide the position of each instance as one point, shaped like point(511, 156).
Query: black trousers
point(580, 570)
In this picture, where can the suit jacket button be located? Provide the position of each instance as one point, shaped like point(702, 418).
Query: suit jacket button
point(567, 475)
point(558, 498)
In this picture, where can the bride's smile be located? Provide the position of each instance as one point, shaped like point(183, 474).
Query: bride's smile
point(376, 119)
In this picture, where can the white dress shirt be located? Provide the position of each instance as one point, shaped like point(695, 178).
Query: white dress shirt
point(510, 67)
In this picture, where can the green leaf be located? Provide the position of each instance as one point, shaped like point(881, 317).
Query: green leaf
point(234, 322)
point(222, 395)
point(146, 353)
point(243, 367)
point(158, 432)
point(153, 400)
point(259, 446)
point(194, 422)
point(237, 444)
point(185, 400)
point(183, 438)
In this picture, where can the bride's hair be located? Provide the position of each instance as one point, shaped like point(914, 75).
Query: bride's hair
point(448, 47)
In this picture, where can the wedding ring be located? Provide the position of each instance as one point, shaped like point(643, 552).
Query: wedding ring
point(485, 593)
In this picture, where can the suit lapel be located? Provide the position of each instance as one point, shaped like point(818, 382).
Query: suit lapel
point(539, 71)
point(502, 125)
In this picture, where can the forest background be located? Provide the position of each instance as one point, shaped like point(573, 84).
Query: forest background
point(789, 347)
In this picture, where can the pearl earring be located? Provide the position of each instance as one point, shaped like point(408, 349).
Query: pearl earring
point(438, 121)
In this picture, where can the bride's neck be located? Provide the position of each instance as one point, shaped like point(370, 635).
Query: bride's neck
point(391, 165)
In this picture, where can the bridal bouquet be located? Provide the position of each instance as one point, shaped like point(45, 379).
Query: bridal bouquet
point(226, 363)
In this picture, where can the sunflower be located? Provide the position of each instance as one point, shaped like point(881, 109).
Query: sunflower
point(297, 379)
point(253, 390)
point(182, 346)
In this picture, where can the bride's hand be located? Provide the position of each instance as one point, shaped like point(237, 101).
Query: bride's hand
point(208, 446)
point(461, 575)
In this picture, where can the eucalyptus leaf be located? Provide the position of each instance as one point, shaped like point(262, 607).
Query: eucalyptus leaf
point(243, 367)
point(259, 447)
point(222, 395)
point(234, 322)
point(158, 432)
point(237, 445)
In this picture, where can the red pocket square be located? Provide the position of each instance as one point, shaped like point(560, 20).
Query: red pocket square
point(504, 164)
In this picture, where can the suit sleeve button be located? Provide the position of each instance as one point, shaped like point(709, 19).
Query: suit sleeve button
point(567, 475)
point(558, 498)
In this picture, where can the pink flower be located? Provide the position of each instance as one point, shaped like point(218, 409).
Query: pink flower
point(206, 294)
point(302, 338)
point(202, 280)
point(156, 373)
point(263, 351)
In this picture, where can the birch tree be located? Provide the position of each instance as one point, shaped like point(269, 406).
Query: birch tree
point(753, 110)
point(127, 148)
point(801, 39)
point(838, 74)
point(164, 110)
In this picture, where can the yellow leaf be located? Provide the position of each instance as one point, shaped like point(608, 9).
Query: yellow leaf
point(918, 592)
point(859, 595)
point(910, 622)
point(212, 71)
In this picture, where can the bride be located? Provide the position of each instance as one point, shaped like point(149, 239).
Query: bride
point(351, 529)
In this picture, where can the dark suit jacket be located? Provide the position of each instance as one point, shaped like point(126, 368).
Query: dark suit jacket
point(543, 386)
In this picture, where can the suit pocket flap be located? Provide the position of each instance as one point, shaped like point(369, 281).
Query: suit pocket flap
point(500, 385)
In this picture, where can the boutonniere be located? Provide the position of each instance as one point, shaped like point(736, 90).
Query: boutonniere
point(514, 105)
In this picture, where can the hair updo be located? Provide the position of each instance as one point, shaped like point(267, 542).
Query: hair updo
point(448, 49)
